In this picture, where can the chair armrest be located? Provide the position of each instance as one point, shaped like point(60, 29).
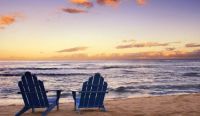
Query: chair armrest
point(54, 90)
point(39, 91)
point(74, 93)
point(93, 91)
point(75, 90)
point(29, 92)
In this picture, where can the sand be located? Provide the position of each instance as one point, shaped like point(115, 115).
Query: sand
point(172, 105)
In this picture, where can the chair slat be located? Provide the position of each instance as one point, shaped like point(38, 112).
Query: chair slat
point(43, 93)
point(27, 91)
point(24, 95)
point(31, 85)
point(92, 98)
point(102, 95)
point(82, 97)
point(85, 97)
point(39, 91)
point(100, 88)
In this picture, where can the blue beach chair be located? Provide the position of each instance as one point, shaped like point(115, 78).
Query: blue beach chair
point(34, 95)
point(92, 94)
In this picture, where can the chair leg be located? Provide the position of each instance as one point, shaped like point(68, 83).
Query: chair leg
point(24, 109)
point(33, 110)
point(47, 110)
point(78, 111)
point(58, 93)
point(74, 97)
point(58, 106)
point(74, 105)
point(103, 109)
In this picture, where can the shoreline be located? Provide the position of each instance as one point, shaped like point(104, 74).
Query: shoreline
point(63, 100)
point(173, 105)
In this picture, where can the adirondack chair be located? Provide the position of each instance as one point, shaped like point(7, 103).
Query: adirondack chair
point(92, 94)
point(34, 95)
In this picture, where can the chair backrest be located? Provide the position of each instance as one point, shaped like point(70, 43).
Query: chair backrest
point(95, 89)
point(33, 91)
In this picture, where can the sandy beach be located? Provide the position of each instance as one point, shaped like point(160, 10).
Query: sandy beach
point(172, 105)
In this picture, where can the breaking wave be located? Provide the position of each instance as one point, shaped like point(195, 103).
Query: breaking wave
point(123, 89)
point(44, 74)
point(192, 74)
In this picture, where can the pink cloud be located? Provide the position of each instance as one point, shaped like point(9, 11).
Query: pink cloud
point(139, 45)
point(6, 20)
point(73, 10)
point(162, 55)
point(170, 49)
point(124, 46)
point(192, 45)
point(130, 56)
point(108, 2)
point(84, 3)
point(75, 49)
point(128, 41)
point(141, 2)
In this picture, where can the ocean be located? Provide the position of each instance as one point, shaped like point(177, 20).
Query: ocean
point(126, 79)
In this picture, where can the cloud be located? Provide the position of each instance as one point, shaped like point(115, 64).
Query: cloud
point(1, 28)
point(74, 56)
point(162, 55)
point(6, 20)
point(116, 2)
point(128, 41)
point(73, 10)
point(175, 42)
point(170, 49)
point(124, 46)
point(130, 56)
point(150, 44)
point(90, 4)
point(139, 45)
point(193, 54)
point(84, 3)
point(141, 2)
point(75, 49)
point(192, 45)
point(108, 2)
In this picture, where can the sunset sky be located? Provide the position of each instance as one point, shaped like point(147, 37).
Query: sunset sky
point(99, 29)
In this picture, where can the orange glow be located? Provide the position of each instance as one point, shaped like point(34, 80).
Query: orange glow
point(79, 1)
point(7, 20)
point(108, 2)
point(141, 2)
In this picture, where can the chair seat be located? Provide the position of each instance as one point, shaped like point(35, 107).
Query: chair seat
point(88, 105)
point(51, 100)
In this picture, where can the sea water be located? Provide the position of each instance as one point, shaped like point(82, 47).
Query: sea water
point(131, 78)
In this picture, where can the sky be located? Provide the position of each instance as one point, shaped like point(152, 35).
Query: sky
point(99, 29)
